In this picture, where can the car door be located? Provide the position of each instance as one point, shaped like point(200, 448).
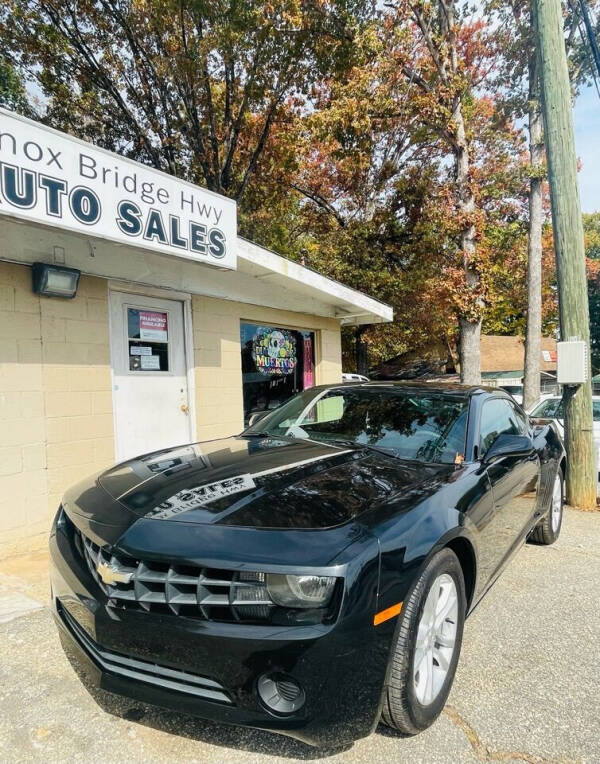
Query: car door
point(514, 479)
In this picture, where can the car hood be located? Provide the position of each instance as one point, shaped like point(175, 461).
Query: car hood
point(248, 482)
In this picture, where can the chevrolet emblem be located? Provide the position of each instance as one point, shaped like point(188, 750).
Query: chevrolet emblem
point(111, 575)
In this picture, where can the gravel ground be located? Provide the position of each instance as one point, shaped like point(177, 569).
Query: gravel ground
point(527, 687)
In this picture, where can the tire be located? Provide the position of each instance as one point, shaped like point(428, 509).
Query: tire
point(406, 705)
point(548, 529)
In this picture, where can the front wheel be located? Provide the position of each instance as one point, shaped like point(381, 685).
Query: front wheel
point(427, 646)
point(548, 529)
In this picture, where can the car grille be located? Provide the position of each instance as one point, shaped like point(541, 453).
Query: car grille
point(206, 593)
point(144, 671)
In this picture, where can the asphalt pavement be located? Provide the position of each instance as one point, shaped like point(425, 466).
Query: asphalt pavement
point(527, 687)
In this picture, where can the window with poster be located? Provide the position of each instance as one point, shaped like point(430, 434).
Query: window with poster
point(276, 364)
point(148, 339)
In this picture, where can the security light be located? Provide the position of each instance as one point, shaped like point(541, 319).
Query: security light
point(55, 280)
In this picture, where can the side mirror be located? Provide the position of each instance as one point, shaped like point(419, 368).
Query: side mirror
point(509, 445)
point(256, 417)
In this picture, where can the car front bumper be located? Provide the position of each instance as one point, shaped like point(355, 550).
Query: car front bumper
point(211, 669)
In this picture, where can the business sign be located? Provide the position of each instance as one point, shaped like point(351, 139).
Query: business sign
point(274, 351)
point(153, 326)
point(51, 178)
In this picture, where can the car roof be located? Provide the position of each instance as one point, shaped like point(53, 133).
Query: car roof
point(452, 388)
point(555, 397)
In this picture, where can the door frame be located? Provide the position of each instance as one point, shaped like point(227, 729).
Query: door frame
point(185, 298)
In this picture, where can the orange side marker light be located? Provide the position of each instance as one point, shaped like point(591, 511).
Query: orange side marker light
point(385, 615)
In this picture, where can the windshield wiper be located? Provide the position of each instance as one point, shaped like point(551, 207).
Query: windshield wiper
point(365, 446)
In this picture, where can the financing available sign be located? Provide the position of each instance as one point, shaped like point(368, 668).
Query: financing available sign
point(51, 178)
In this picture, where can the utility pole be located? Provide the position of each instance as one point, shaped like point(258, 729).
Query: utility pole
point(568, 242)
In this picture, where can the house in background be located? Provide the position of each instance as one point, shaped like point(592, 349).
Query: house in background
point(503, 363)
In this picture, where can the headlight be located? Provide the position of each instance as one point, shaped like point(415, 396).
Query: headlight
point(300, 591)
point(61, 518)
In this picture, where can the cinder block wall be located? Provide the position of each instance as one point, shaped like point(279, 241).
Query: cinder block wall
point(217, 356)
point(56, 416)
point(56, 422)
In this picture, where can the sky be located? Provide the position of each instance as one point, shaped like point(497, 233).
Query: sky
point(587, 144)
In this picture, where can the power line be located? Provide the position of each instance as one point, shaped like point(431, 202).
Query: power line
point(590, 33)
point(585, 47)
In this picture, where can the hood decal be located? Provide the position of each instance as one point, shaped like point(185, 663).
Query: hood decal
point(192, 498)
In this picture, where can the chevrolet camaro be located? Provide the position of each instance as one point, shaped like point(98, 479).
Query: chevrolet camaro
point(312, 575)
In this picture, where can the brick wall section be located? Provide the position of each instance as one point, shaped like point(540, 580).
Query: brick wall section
point(56, 422)
point(217, 356)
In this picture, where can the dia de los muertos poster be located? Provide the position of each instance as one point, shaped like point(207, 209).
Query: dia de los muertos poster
point(274, 351)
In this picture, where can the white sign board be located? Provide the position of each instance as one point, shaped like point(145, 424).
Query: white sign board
point(51, 178)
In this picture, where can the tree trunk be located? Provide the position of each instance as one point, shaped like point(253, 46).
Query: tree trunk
point(533, 338)
point(361, 350)
point(470, 329)
point(470, 352)
point(469, 322)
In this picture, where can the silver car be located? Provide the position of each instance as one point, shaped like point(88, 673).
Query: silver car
point(551, 407)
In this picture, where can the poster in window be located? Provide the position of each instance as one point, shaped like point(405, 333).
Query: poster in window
point(153, 326)
point(274, 351)
point(150, 362)
point(309, 372)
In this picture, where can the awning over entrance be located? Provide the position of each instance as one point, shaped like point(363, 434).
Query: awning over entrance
point(262, 277)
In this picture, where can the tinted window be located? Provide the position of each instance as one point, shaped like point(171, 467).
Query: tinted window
point(553, 409)
point(500, 416)
point(522, 419)
point(411, 424)
point(549, 409)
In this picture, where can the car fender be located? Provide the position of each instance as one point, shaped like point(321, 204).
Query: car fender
point(404, 558)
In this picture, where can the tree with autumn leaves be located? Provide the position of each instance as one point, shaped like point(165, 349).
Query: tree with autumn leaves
point(372, 144)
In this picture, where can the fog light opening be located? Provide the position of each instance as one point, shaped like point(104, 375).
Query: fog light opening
point(280, 693)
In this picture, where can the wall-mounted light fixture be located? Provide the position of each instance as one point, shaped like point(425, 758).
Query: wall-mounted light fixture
point(55, 280)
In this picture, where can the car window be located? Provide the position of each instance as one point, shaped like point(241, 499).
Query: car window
point(411, 424)
point(499, 416)
point(522, 419)
point(548, 409)
point(553, 409)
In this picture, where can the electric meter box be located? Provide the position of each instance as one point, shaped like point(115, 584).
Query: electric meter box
point(571, 362)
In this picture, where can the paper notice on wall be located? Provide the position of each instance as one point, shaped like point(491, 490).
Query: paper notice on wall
point(150, 362)
point(140, 350)
point(153, 326)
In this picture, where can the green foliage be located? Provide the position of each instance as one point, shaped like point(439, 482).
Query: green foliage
point(192, 87)
point(12, 91)
point(327, 121)
point(591, 228)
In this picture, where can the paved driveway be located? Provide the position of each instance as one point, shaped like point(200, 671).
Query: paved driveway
point(527, 687)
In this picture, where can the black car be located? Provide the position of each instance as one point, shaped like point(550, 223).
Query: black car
point(312, 575)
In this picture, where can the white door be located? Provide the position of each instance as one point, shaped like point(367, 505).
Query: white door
point(150, 392)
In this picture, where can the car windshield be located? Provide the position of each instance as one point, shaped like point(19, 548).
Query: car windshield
point(552, 408)
point(410, 424)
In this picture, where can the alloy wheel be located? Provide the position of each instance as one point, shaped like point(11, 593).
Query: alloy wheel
point(436, 638)
point(557, 499)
